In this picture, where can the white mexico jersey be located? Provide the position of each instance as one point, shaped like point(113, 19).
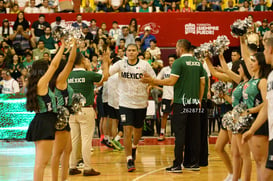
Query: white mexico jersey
point(167, 90)
point(10, 86)
point(113, 91)
point(105, 92)
point(132, 93)
point(269, 98)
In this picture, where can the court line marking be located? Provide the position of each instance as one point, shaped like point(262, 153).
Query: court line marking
point(151, 172)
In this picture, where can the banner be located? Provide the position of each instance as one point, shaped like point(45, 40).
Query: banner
point(197, 27)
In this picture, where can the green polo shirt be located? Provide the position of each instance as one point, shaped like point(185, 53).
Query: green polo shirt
point(189, 71)
point(83, 82)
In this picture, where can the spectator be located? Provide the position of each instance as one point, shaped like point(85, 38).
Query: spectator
point(59, 23)
point(186, 7)
point(5, 30)
point(2, 62)
point(2, 7)
point(159, 5)
point(28, 61)
point(173, 8)
point(83, 49)
point(93, 28)
point(54, 5)
point(146, 37)
point(46, 57)
point(20, 40)
point(215, 5)
point(144, 7)
point(140, 56)
point(10, 86)
point(101, 5)
point(66, 6)
point(38, 28)
point(38, 3)
point(203, 6)
point(121, 55)
point(32, 8)
point(45, 8)
point(133, 27)
point(269, 34)
point(15, 67)
point(129, 38)
point(22, 80)
point(261, 6)
point(104, 29)
point(21, 3)
point(114, 31)
point(154, 50)
point(138, 44)
point(95, 64)
point(15, 9)
point(87, 35)
point(100, 35)
point(231, 7)
point(48, 40)
point(264, 28)
point(246, 6)
point(169, 4)
point(7, 51)
point(38, 53)
point(148, 57)
point(121, 45)
point(79, 23)
point(252, 37)
point(116, 6)
point(20, 20)
point(88, 6)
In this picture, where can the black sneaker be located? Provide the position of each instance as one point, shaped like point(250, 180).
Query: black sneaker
point(131, 165)
point(194, 167)
point(74, 171)
point(134, 153)
point(106, 143)
point(174, 169)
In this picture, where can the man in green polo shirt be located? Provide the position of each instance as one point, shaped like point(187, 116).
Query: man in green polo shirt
point(82, 79)
point(188, 79)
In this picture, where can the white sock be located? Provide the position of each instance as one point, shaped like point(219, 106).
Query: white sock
point(134, 146)
point(129, 158)
point(162, 130)
point(117, 138)
point(106, 137)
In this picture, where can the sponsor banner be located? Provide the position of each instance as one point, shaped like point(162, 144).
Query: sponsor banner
point(199, 27)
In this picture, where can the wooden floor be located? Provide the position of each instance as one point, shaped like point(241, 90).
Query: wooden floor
point(17, 161)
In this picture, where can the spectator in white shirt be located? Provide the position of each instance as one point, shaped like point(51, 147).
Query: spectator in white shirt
point(45, 8)
point(58, 23)
point(10, 86)
point(31, 8)
point(154, 50)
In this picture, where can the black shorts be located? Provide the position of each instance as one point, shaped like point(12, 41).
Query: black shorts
point(263, 130)
point(113, 113)
point(269, 163)
point(106, 110)
point(166, 106)
point(132, 117)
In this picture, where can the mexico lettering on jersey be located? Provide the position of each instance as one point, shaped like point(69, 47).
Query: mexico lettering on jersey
point(133, 93)
point(167, 90)
point(269, 98)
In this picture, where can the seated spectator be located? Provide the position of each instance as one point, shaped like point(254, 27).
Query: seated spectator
point(159, 5)
point(20, 40)
point(138, 43)
point(38, 3)
point(146, 37)
point(121, 45)
point(10, 86)
point(169, 4)
point(54, 5)
point(3, 64)
point(101, 5)
point(47, 57)
point(21, 3)
point(87, 35)
point(2, 7)
point(5, 31)
point(186, 7)
point(133, 27)
point(88, 6)
point(129, 38)
point(148, 57)
point(246, 6)
point(114, 31)
point(28, 61)
point(104, 29)
point(38, 28)
point(22, 80)
point(48, 40)
point(215, 5)
point(95, 64)
point(203, 6)
point(83, 49)
point(231, 7)
point(269, 34)
point(252, 37)
point(31, 8)
point(59, 23)
point(144, 7)
point(100, 35)
point(121, 54)
point(154, 50)
point(7, 51)
point(20, 20)
point(15, 67)
point(133, 5)
point(261, 6)
point(116, 6)
point(173, 8)
point(79, 23)
point(66, 6)
point(264, 28)
point(38, 53)
point(45, 8)
point(15, 9)
point(93, 28)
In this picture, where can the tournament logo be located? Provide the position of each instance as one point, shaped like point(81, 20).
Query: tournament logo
point(200, 29)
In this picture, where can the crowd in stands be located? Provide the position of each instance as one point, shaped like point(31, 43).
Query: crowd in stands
point(87, 6)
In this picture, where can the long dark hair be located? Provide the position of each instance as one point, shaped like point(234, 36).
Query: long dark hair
point(265, 69)
point(3, 27)
point(52, 83)
point(133, 19)
point(247, 74)
point(38, 69)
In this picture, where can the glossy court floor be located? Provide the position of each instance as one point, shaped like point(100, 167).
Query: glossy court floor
point(17, 161)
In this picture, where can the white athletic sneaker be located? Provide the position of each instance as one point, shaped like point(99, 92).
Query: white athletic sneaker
point(229, 177)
